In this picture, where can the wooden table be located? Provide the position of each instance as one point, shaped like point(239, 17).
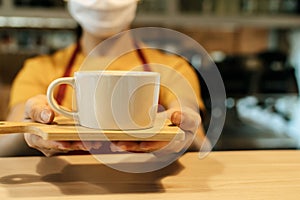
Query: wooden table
point(220, 175)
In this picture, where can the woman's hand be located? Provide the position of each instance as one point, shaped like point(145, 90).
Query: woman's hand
point(37, 109)
point(187, 119)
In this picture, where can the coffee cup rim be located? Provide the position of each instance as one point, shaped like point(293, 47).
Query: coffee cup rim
point(116, 73)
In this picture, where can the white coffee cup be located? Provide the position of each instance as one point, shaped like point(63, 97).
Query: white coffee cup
point(111, 99)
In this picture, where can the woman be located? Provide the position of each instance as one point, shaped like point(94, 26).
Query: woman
point(99, 20)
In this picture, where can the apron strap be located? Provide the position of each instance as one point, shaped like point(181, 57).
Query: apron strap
point(146, 66)
point(142, 57)
point(62, 88)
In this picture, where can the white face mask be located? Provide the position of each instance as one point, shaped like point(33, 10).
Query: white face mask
point(103, 18)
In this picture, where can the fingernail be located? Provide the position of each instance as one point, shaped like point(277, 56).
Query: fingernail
point(97, 145)
point(176, 118)
point(46, 116)
point(83, 148)
point(115, 148)
point(62, 148)
point(144, 146)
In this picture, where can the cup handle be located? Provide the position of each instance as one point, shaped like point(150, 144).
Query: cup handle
point(53, 103)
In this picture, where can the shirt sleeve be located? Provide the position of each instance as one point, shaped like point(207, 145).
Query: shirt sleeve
point(32, 79)
point(37, 73)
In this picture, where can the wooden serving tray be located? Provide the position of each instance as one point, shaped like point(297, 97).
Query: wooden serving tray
point(63, 129)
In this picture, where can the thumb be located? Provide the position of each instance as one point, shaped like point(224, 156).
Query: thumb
point(37, 109)
point(187, 121)
point(46, 115)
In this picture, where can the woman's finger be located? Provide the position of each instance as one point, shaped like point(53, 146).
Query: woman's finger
point(187, 121)
point(48, 148)
point(152, 145)
point(145, 146)
point(125, 146)
point(37, 109)
point(86, 145)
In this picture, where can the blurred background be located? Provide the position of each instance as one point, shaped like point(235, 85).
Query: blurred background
point(254, 43)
